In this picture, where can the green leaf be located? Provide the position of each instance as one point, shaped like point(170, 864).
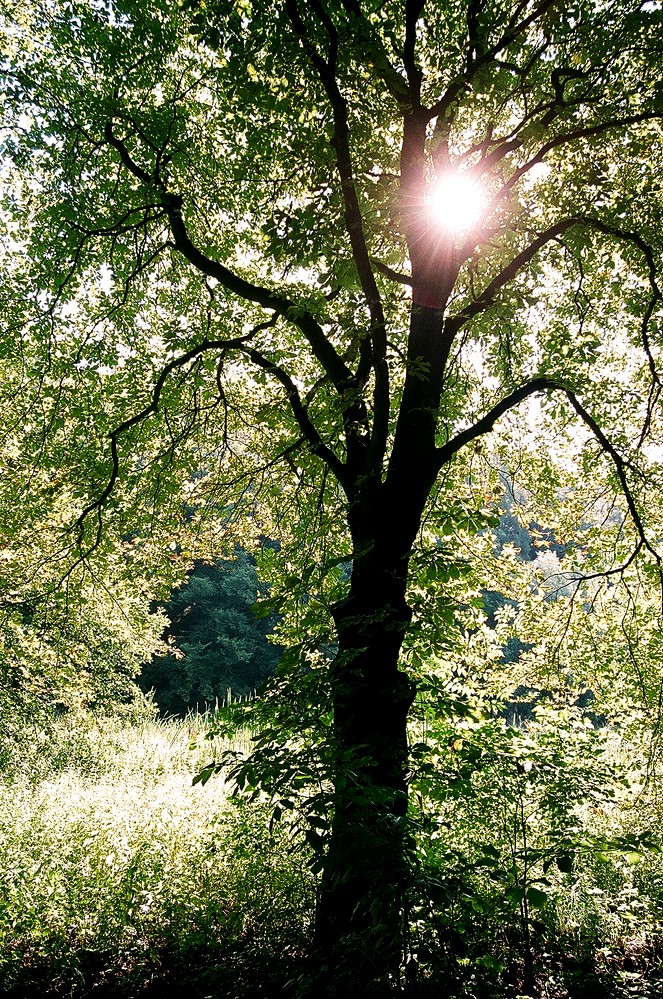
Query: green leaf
point(564, 862)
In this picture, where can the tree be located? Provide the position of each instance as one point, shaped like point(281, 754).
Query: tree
point(67, 648)
point(344, 239)
point(214, 641)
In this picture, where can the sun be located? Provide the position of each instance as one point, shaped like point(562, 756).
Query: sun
point(457, 202)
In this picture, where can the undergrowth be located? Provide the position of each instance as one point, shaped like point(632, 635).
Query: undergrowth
point(117, 877)
point(120, 880)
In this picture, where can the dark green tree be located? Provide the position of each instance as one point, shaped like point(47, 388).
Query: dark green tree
point(343, 240)
point(218, 643)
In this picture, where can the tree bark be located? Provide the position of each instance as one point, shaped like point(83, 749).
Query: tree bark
point(362, 905)
point(360, 912)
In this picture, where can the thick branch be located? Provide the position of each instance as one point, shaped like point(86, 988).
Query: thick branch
point(487, 422)
point(323, 350)
point(373, 352)
point(474, 8)
point(390, 273)
point(413, 11)
point(335, 367)
point(300, 413)
point(487, 297)
point(590, 131)
point(326, 70)
point(125, 155)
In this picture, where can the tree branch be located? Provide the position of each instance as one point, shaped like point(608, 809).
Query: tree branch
point(544, 384)
point(323, 350)
point(474, 8)
point(341, 376)
point(560, 140)
point(463, 80)
point(377, 56)
point(413, 11)
point(487, 422)
point(373, 350)
point(326, 70)
point(390, 273)
point(508, 273)
point(620, 467)
point(125, 155)
point(132, 421)
point(300, 413)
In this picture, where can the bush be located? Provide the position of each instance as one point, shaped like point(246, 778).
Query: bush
point(117, 875)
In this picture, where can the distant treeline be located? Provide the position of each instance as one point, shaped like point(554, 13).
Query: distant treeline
point(217, 641)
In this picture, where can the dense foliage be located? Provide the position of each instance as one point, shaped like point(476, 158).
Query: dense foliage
point(120, 879)
point(534, 872)
point(215, 646)
point(319, 272)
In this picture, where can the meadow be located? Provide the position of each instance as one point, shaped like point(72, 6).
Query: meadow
point(121, 879)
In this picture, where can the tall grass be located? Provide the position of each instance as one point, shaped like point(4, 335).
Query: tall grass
point(117, 874)
point(120, 879)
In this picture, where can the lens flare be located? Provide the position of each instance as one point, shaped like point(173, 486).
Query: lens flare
point(457, 202)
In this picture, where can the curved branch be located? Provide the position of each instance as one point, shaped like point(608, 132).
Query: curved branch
point(543, 384)
point(481, 59)
point(326, 70)
point(375, 52)
point(620, 467)
point(508, 273)
point(587, 132)
point(125, 155)
point(487, 422)
point(300, 413)
point(618, 570)
point(323, 350)
point(149, 410)
point(122, 225)
point(390, 273)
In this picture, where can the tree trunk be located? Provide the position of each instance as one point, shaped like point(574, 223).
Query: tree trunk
point(361, 909)
point(360, 912)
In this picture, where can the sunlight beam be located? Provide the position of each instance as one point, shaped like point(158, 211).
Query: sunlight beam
point(457, 202)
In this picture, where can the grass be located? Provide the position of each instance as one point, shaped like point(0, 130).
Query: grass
point(117, 877)
point(119, 880)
